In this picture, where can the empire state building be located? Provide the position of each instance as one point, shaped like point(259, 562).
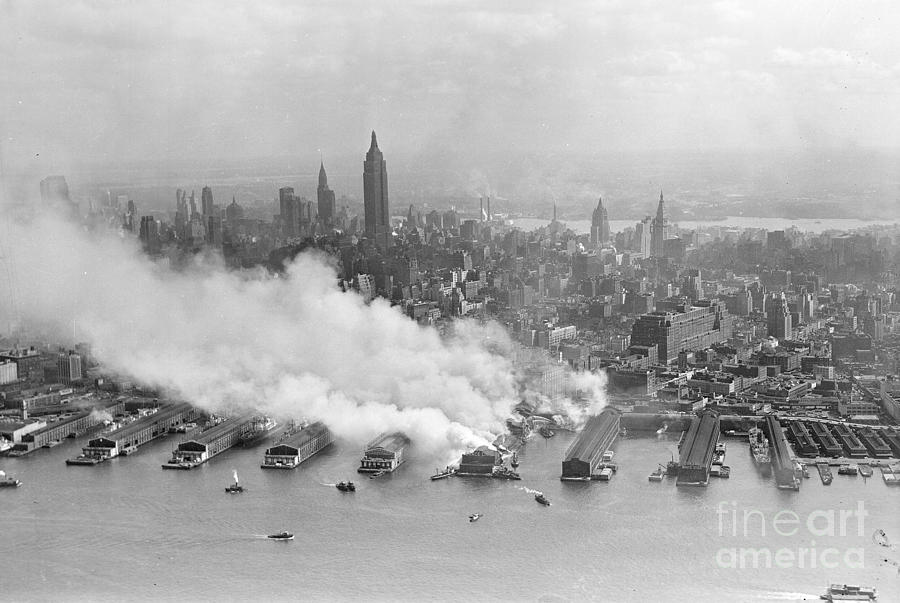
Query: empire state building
point(375, 197)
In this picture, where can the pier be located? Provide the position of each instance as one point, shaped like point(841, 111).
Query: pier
point(782, 462)
point(127, 439)
point(210, 443)
point(69, 426)
point(298, 447)
point(584, 459)
point(697, 450)
point(384, 453)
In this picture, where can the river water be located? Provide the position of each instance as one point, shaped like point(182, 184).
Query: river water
point(127, 530)
point(803, 224)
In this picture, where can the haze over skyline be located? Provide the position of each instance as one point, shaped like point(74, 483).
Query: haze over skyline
point(111, 82)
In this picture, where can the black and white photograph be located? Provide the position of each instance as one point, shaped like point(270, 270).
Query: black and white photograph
point(372, 301)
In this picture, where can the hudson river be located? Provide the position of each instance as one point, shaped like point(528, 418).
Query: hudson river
point(127, 530)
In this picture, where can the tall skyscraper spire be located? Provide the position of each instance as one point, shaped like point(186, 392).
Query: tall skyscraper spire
point(659, 230)
point(375, 196)
point(599, 225)
point(325, 197)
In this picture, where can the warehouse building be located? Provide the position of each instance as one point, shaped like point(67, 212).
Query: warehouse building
point(697, 449)
point(297, 447)
point(384, 453)
point(585, 455)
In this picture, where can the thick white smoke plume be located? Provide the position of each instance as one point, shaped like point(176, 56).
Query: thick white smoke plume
point(294, 346)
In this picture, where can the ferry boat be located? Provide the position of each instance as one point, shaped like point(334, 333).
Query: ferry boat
point(825, 473)
point(259, 429)
point(657, 475)
point(474, 517)
point(515, 460)
point(849, 592)
point(759, 448)
point(865, 470)
point(850, 469)
point(346, 487)
point(235, 487)
point(8, 482)
point(439, 474)
point(281, 536)
point(539, 497)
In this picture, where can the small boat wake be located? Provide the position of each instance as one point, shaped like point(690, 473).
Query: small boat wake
point(332, 485)
point(880, 538)
point(529, 490)
point(786, 596)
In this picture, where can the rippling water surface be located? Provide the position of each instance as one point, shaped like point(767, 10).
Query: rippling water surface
point(127, 530)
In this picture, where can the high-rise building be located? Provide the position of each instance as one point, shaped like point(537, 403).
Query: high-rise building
point(325, 197)
point(234, 212)
point(599, 225)
point(375, 196)
point(288, 206)
point(688, 327)
point(207, 208)
point(181, 214)
point(149, 234)
point(659, 231)
point(642, 236)
point(778, 317)
point(68, 365)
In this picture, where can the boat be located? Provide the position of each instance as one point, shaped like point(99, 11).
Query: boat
point(235, 487)
point(281, 536)
point(260, 427)
point(439, 474)
point(542, 499)
point(8, 482)
point(5, 444)
point(804, 471)
point(849, 592)
point(737, 433)
point(657, 475)
point(865, 470)
point(606, 474)
point(377, 474)
point(52, 443)
point(83, 459)
point(474, 517)
point(546, 431)
point(718, 458)
point(501, 472)
point(759, 448)
point(720, 471)
point(850, 469)
point(515, 460)
point(346, 487)
point(825, 473)
point(608, 456)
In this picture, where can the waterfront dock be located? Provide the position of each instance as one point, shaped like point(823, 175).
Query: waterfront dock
point(584, 459)
point(68, 426)
point(782, 461)
point(210, 443)
point(129, 438)
point(384, 454)
point(297, 447)
point(697, 450)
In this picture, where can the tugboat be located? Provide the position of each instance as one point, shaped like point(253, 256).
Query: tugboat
point(474, 517)
point(657, 475)
point(542, 499)
point(346, 487)
point(447, 472)
point(515, 460)
point(849, 592)
point(281, 536)
point(502, 472)
point(546, 432)
point(235, 487)
point(8, 482)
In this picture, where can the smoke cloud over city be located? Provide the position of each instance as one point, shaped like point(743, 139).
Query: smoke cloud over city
point(293, 345)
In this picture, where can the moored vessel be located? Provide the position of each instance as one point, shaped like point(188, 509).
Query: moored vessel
point(515, 460)
point(657, 475)
point(759, 448)
point(825, 473)
point(850, 469)
point(258, 429)
point(865, 470)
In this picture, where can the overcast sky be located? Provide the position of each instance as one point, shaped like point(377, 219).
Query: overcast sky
point(105, 81)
